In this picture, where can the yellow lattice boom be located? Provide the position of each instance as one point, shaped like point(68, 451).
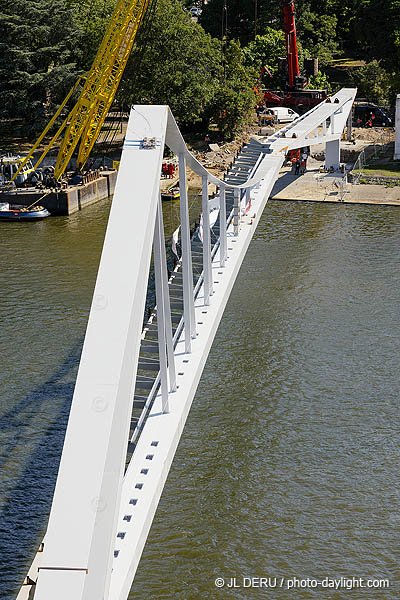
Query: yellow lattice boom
point(84, 122)
point(102, 83)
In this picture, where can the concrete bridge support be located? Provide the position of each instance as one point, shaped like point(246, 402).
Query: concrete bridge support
point(332, 155)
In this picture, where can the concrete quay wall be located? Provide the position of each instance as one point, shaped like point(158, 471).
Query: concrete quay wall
point(77, 197)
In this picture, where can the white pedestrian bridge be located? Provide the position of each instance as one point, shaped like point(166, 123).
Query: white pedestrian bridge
point(136, 382)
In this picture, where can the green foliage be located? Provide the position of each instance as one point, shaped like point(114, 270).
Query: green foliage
point(188, 4)
point(239, 19)
point(234, 97)
point(377, 31)
point(93, 17)
point(37, 58)
point(44, 44)
point(319, 81)
point(242, 20)
point(184, 67)
point(317, 32)
point(265, 51)
point(373, 82)
point(181, 65)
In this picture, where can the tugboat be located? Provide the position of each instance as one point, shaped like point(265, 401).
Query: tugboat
point(15, 212)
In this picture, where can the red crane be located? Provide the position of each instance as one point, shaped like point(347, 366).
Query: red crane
point(289, 27)
point(294, 95)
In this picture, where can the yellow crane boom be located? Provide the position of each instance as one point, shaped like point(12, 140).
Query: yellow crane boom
point(83, 123)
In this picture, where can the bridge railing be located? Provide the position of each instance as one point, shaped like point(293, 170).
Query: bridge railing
point(167, 340)
point(368, 153)
point(103, 508)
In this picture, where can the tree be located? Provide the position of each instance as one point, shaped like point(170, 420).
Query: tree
point(373, 82)
point(265, 50)
point(319, 81)
point(94, 17)
point(239, 20)
point(235, 97)
point(317, 32)
point(377, 30)
point(181, 65)
point(178, 64)
point(37, 58)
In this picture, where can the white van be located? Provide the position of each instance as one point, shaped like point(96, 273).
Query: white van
point(280, 114)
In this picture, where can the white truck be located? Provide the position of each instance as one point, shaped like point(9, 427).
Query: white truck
point(280, 114)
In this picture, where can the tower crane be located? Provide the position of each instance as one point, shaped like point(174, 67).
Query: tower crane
point(83, 123)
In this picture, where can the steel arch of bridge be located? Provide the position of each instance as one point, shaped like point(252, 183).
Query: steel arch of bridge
point(101, 512)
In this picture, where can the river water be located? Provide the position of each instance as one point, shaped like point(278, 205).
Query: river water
point(288, 465)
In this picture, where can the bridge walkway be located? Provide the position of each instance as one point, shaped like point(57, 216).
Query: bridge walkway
point(135, 387)
point(147, 380)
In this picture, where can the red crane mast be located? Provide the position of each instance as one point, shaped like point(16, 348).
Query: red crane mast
point(293, 93)
point(289, 27)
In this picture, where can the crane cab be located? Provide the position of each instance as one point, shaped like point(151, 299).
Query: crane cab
point(9, 166)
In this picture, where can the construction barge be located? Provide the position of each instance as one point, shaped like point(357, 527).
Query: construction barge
point(64, 199)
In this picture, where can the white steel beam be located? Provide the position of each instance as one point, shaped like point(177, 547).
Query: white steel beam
point(148, 469)
point(83, 557)
point(332, 155)
point(222, 225)
point(187, 270)
point(299, 133)
point(207, 272)
point(236, 210)
point(78, 548)
point(162, 324)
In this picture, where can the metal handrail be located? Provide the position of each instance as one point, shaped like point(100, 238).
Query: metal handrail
point(153, 392)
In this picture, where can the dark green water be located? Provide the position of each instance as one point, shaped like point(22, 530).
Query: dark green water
point(288, 466)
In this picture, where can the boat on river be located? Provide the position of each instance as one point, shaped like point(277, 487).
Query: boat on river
point(172, 193)
point(12, 212)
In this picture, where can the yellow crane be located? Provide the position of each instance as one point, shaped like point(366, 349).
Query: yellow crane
point(99, 86)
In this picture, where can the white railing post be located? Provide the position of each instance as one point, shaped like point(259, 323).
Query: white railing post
point(207, 273)
point(187, 268)
point(167, 305)
point(161, 321)
point(222, 227)
point(248, 198)
point(236, 211)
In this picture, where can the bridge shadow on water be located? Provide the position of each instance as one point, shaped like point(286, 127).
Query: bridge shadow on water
point(24, 513)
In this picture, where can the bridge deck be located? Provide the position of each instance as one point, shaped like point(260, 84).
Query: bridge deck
point(139, 386)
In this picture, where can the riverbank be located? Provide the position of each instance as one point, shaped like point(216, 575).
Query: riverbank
point(314, 186)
